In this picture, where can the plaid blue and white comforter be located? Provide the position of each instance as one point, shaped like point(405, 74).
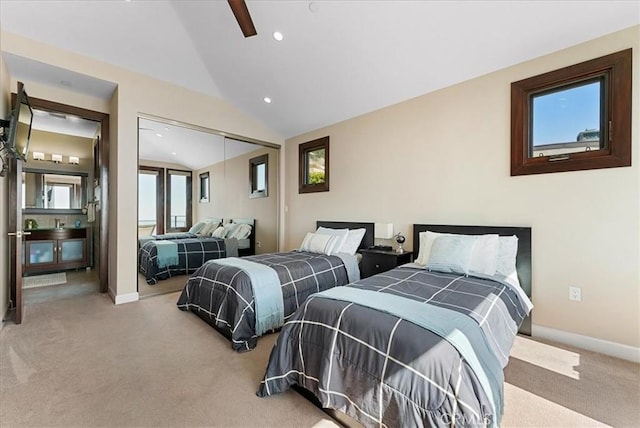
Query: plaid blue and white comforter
point(383, 370)
point(192, 253)
point(223, 296)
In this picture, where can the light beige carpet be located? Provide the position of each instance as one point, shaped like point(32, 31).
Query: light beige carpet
point(83, 362)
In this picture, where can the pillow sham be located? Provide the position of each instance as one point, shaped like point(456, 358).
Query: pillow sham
point(451, 253)
point(426, 241)
point(342, 235)
point(219, 232)
point(318, 243)
point(484, 256)
point(241, 231)
point(208, 228)
point(506, 259)
point(230, 229)
point(351, 244)
point(197, 227)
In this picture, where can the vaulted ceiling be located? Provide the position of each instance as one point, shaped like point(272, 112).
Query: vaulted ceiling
point(337, 60)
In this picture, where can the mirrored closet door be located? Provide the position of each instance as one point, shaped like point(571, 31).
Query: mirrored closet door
point(189, 174)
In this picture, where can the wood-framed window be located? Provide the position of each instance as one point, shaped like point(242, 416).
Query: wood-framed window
point(574, 118)
point(204, 187)
point(178, 203)
point(259, 176)
point(151, 198)
point(313, 166)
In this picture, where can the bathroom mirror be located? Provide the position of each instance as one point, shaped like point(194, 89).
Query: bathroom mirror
point(58, 192)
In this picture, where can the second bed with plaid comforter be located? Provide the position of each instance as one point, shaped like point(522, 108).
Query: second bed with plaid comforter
point(384, 370)
point(223, 295)
point(192, 253)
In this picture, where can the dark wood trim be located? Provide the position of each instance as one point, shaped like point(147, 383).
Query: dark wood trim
point(616, 69)
point(160, 202)
point(303, 150)
point(253, 176)
point(102, 212)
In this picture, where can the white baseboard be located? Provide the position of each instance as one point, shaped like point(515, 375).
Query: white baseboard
point(123, 298)
point(613, 349)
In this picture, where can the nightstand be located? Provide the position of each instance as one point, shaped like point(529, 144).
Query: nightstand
point(377, 261)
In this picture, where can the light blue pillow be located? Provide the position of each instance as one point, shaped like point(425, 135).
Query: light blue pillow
point(451, 253)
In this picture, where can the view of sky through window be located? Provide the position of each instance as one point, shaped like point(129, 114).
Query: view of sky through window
point(559, 117)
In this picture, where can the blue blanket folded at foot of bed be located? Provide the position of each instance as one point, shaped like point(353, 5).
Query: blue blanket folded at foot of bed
point(167, 253)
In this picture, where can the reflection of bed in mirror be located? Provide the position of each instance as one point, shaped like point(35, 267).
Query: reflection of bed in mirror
point(169, 255)
point(417, 345)
point(224, 293)
point(217, 165)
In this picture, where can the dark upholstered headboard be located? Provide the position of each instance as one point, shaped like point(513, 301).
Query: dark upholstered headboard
point(523, 257)
point(368, 239)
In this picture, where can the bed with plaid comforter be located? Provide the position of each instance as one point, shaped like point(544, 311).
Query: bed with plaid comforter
point(192, 253)
point(383, 370)
point(223, 295)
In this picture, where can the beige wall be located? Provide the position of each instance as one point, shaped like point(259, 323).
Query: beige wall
point(136, 94)
point(5, 102)
point(445, 158)
point(229, 197)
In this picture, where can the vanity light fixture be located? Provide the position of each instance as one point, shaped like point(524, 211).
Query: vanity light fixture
point(38, 156)
point(74, 160)
point(56, 158)
point(278, 36)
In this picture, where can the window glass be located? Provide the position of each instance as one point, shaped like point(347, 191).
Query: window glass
point(147, 201)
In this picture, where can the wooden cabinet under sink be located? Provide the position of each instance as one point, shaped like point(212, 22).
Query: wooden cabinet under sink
point(50, 250)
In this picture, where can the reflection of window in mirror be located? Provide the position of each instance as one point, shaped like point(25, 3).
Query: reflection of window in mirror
point(178, 202)
point(258, 173)
point(313, 166)
point(204, 187)
point(575, 118)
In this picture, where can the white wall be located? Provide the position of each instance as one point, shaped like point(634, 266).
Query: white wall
point(444, 158)
point(135, 94)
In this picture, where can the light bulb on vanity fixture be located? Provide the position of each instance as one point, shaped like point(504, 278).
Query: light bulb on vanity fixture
point(56, 158)
point(74, 160)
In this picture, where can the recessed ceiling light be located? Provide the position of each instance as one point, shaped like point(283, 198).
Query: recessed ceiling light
point(278, 35)
point(159, 135)
point(267, 100)
point(166, 129)
point(173, 153)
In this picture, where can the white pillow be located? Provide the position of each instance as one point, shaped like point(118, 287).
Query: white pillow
point(197, 227)
point(351, 244)
point(219, 232)
point(426, 241)
point(242, 231)
point(208, 228)
point(318, 243)
point(506, 259)
point(230, 229)
point(484, 257)
point(342, 235)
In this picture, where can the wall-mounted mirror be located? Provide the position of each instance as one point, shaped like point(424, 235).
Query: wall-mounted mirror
point(219, 168)
point(45, 191)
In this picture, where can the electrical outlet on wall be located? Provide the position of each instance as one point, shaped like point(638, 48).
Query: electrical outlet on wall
point(575, 293)
point(258, 244)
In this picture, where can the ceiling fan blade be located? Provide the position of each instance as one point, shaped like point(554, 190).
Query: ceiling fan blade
point(240, 11)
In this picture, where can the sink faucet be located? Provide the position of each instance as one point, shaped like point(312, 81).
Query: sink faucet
point(57, 223)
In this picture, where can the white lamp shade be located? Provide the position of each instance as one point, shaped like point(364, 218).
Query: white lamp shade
point(56, 158)
point(38, 156)
point(383, 230)
point(74, 160)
